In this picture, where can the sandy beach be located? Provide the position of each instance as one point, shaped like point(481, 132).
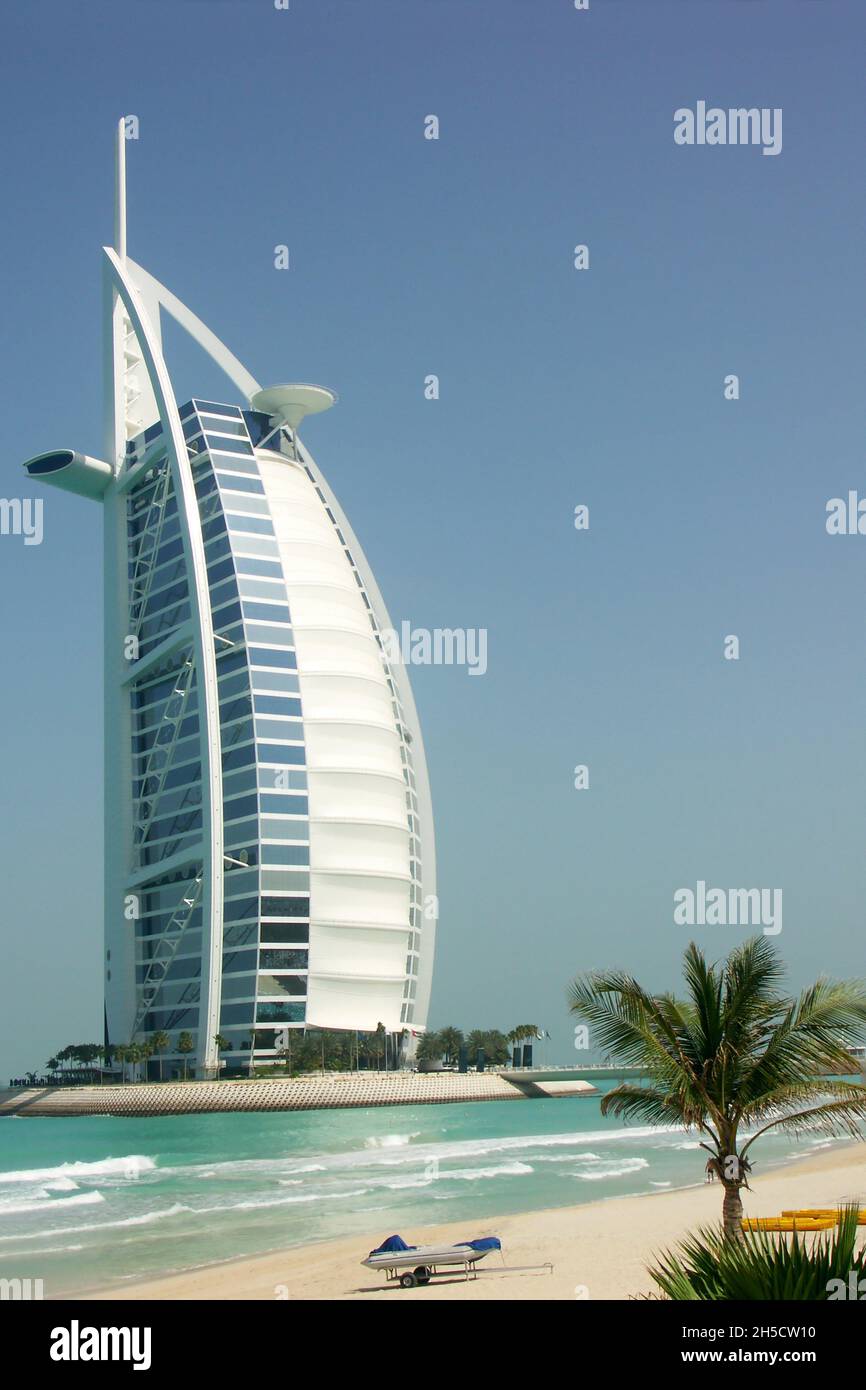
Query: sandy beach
point(598, 1250)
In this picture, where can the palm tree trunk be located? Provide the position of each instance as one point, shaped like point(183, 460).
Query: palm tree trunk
point(732, 1212)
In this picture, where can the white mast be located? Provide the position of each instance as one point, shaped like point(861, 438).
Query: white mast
point(120, 191)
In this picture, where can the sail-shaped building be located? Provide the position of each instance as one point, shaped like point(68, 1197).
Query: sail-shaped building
point(269, 854)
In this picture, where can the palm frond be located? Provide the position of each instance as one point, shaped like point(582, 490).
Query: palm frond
point(766, 1267)
point(811, 1036)
point(644, 1103)
point(834, 1120)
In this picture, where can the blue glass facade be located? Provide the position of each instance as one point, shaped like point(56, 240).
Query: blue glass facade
point(266, 826)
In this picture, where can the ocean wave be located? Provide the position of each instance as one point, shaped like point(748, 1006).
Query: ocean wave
point(504, 1170)
point(390, 1141)
point(562, 1158)
point(131, 1166)
point(256, 1204)
point(399, 1150)
point(81, 1199)
point(613, 1170)
point(481, 1148)
point(145, 1219)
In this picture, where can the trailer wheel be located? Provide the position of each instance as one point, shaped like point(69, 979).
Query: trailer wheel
point(407, 1281)
point(422, 1274)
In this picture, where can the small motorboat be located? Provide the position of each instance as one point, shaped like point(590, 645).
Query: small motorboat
point(418, 1264)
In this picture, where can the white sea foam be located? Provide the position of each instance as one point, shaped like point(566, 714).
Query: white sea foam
point(393, 1151)
point(132, 1166)
point(563, 1158)
point(145, 1219)
point(390, 1141)
point(504, 1170)
point(612, 1170)
point(255, 1204)
point(81, 1199)
point(482, 1148)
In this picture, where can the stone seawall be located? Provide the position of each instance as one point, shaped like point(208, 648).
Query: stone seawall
point(338, 1090)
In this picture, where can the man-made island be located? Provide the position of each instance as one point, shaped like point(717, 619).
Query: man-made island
point(324, 1091)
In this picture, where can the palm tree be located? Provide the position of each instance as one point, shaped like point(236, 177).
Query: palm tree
point(159, 1042)
point(222, 1043)
point(476, 1041)
point(430, 1048)
point(120, 1055)
point(735, 1053)
point(378, 1045)
point(495, 1046)
point(491, 1042)
point(130, 1053)
point(185, 1046)
point(452, 1041)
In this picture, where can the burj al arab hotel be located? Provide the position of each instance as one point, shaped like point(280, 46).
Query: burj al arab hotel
point(269, 855)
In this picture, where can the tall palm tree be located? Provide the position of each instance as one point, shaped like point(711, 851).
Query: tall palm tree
point(524, 1031)
point(159, 1042)
point(496, 1047)
point(132, 1056)
point(476, 1042)
point(452, 1041)
point(430, 1048)
point(222, 1043)
point(736, 1053)
point(185, 1045)
point(377, 1043)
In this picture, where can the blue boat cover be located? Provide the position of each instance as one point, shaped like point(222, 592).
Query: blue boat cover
point(392, 1243)
point(397, 1243)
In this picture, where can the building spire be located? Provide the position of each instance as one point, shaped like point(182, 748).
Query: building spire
point(120, 191)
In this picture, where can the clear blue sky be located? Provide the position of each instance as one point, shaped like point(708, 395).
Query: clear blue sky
point(603, 387)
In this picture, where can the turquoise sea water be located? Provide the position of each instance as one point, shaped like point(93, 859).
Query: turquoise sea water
point(94, 1201)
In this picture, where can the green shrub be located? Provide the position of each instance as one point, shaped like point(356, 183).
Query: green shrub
point(766, 1266)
